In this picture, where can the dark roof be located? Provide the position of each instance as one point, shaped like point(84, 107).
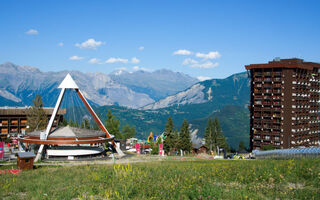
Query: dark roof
point(198, 146)
point(285, 63)
point(24, 110)
point(26, 155)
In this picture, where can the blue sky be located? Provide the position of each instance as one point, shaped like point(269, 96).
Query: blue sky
point(200, 38)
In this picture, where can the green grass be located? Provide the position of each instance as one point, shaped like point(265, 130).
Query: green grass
point(170, 179)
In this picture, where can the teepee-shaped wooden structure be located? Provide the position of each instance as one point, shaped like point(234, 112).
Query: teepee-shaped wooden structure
point(68, 83)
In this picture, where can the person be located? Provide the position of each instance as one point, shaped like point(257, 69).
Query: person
point(104, 153)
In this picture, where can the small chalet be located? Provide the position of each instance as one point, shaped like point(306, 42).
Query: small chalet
point(199, 148)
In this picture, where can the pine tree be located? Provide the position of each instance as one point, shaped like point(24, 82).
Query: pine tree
point(71, 123)
point(37, 118)
point(76, 124)
point(169, 126)
point(220, 140)
point(85, 124)
point(95, 126)
point(170, 136)
point(128, 132)
point(184, 137)
point(175, 141)
point(241, 146)
point(155, 147)
point(208, 135)
point(213, 135)
point(113, 125)
point(64, 122)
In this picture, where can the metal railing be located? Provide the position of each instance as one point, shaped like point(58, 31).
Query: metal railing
point(311, 152)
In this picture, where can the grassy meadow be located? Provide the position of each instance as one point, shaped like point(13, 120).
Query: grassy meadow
point(169, 179)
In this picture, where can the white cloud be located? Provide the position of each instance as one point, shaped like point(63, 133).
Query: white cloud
point(89, 44)
point(206, 65)
point(210, 55)
point(135, 60)
point(32, 32)
point(95, 61)
point(189, 61)
point(183, 52)
point(60, 44)
point(196, 64)
point(76, 58)
point(115, 60)
point(137, 68)
point(203, 78)
point(141, 48)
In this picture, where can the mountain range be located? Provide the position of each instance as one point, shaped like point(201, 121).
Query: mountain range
point(227, 100)
point(142, 99)
point(20, 84)
point(233, 90)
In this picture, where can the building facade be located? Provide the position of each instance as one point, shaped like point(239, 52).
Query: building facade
point(284, 104)
point(14, 119)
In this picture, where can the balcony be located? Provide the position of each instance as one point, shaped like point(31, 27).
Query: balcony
point(267, 126)
point(267, 103)
point(277, 91)
point(277, 103)
point(276, 98)
point(277, 127)
point(277, 80)
point(23, 122)
point(276, 121)
point(257, 137)
point(267, 139)
point(268, 91)
point(257, 109)
point(277, 74)
point(277, 85)
point(267, 85)
point(14, 130)
point(276, 109)
point(266, 108)
point(268, 80)
point(257, 91)
point(256, 126)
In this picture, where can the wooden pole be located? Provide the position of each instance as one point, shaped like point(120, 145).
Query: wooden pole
point(49, 126)
point(96, 118)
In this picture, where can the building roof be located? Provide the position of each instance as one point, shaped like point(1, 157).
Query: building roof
point(26, 155)
point(285, 63)
point(198, 145)
point(68, 131)
point(24, 110)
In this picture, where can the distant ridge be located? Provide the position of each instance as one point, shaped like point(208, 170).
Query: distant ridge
point(20, 84)
point(233, 90)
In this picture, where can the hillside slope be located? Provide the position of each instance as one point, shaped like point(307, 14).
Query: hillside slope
point(233, 90)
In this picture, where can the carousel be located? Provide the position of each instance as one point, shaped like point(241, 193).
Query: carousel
point(69, 141)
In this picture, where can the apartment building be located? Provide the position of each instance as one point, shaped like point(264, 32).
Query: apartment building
point(284, 107)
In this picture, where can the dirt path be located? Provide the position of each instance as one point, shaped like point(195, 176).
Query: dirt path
point(132, 159)
point(124, 160)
